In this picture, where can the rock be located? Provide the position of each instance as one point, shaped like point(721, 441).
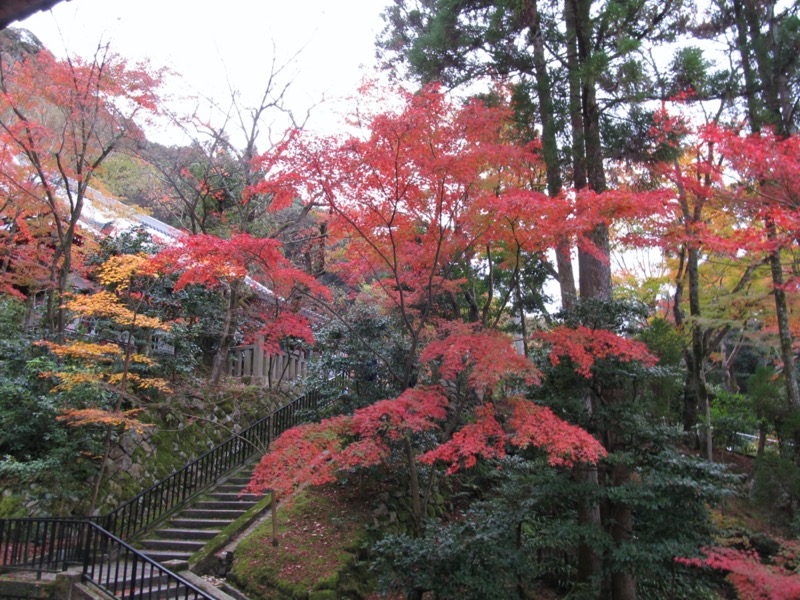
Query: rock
point(124, 464)
point(136, 471)
point(129, 442)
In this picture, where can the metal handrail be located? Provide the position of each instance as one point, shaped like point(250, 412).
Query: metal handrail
point(51, 544)
point(113, 566)
point(164, 497)
point(108, 563)
point(41, 544)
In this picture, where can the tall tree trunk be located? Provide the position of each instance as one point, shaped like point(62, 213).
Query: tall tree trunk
point(697, 382)
point(414, 487)
point(575, 113)
point(590, 561)
point(623, 582)
point(782, 314)
point(226, 335)
point(591, 272)
point(566, 278)
point(595, 272)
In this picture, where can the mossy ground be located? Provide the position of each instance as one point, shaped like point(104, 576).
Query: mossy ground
point(320, 535)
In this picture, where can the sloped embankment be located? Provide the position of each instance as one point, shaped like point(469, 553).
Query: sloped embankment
point(319, 555)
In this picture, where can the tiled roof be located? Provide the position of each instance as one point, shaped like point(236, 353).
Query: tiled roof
point(14, 10)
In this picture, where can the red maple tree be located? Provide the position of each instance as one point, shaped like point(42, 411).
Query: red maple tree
point(427, 205)
point(59, 121)
point(753, 578)
point(246, 262)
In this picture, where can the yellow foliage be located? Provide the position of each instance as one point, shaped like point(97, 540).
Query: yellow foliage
point(118, 270)
point(106, 305)
point(96, 416)
point(83, 350)
point(71, 380)
point(143, 360)
point(153, 383)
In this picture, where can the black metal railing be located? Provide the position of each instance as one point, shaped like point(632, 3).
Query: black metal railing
point(108, 563)
point(52, 544)
point(41, 544)
point(139, 513)
point(115, 567)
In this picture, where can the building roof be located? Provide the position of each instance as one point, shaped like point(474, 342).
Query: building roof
point(15, 10)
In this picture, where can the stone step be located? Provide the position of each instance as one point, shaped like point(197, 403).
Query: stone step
point(185, 523)
point(123, 572)
point(234, 496)
point(237, 482)
point(187, 533)
point(206, 513)
point(139, 580)
point(162, 556)
point(240, 480)
point(214, 505)
point(233, 486)
point(181, 545)
point(162, 593)
point(229, 489)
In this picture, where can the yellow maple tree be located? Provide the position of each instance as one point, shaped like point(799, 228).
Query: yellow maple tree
point(107, 364)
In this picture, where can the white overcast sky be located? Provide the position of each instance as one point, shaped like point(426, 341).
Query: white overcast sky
point(210, 43)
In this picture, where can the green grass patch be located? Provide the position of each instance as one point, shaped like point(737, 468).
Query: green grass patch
point(320, 534)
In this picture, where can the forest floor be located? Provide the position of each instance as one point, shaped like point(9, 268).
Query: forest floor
point(320, 536)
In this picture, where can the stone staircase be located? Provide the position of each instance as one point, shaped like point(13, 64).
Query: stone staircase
point(192, 528)
point(157, 564)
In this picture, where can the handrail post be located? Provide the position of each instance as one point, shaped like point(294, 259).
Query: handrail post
point(134, 571)
point(87, 532)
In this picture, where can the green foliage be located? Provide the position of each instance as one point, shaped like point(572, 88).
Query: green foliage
point(634, 409)
point(619, 316)
point(691, 73)
point(523, 528)
point(474, 559)
point(663, 341)
point(633, 139)
point(483, 553)
point(664, 381)
point(133, 241)
point(359, 347)
point(670, 496)
point(776, 489)
point(766, 390)
point(35, 448)
point(732, 414)
point(128, 177)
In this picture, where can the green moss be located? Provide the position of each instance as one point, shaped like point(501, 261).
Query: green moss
point(317, 555)
point(11, 507)
point(205, 556)
point(129, 486)
point(323, 595)
point(328, 583)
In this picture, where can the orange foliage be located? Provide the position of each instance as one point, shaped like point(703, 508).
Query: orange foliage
point(93, 416)
point(107, 305)
point(84, 350)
